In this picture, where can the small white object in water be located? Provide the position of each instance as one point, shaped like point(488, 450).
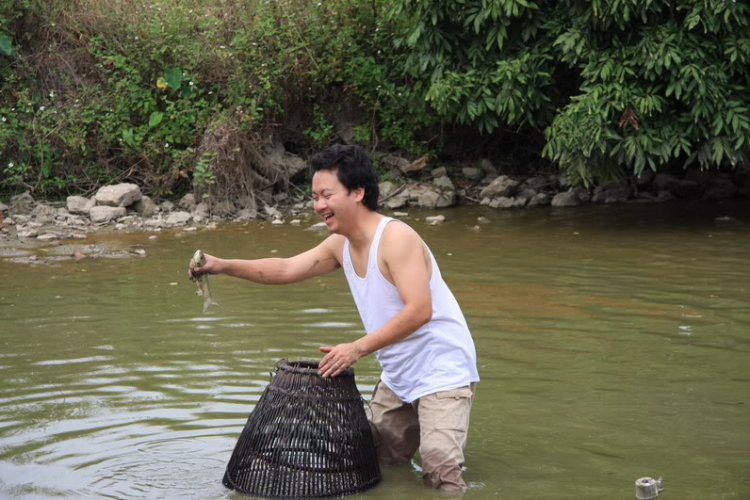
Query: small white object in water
point(172, 284)
point(400, 214)
point(277, 222)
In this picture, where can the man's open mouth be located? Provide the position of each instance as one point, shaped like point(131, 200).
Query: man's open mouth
point(327, 216)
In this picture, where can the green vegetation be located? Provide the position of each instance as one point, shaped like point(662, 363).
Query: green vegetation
point(617, 85)
point(178, 95)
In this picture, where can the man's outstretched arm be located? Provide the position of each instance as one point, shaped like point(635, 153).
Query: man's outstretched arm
point(275, 271)
point(404, 255)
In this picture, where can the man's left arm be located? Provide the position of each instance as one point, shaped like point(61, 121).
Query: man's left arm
point(403, 253)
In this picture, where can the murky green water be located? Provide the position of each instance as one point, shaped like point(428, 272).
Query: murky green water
point(613, 344)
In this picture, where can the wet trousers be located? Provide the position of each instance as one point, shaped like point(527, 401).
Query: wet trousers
point(435, 424)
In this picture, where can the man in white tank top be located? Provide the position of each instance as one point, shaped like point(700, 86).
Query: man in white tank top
point(414, 325)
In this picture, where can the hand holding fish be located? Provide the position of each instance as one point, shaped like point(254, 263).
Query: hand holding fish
point(198, 271)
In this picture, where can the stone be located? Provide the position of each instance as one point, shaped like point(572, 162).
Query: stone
point(22, 203)
point(277, 158)
point(187, 202)
point(271, 212)
point(404, 165)
point(537, 183)
point(435, 218)
point(246, 214)
point(385, 188)
point(741, 176)
point(280, 197)
point(679, 188)
point(505, 202)
point(277, 222)
point(644, 179)
point(428, 199)
point(471, 173)
point(400, 214)
point(719, 188)
point(44, 213)
point(439, 172)
point(167, 206)
point(613, 192)
point(223, 209)
point(664, 196)
point(28, 233)
point(48, 237)
point(295, 222)
point(485, 201)
point(201, 209)
point(3, 207)
point(179, 217)
point(79, 204)
point(501, 186)
point(446, 199)
point(566, 199)
point(399, 201)
point(145, 207)
point(700, 177)
point(101, 214)
point(154, 222)
point(118, 195)
point(540, 199)
point(488, 167)
point(483, 220)
point(444, 184)
point(526, 194)
point(246, 202)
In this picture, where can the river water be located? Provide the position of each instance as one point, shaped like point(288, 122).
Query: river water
point(612, 344)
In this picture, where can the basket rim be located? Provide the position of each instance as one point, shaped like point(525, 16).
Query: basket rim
point(306, 367)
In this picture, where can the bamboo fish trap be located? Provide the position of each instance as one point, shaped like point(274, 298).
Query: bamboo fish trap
point(308, 437)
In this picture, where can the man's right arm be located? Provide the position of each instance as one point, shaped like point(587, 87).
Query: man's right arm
point(276, 271)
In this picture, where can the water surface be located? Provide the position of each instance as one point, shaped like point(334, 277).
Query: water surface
point(612, 344)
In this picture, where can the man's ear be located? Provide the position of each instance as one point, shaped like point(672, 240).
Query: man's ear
point(359, 193)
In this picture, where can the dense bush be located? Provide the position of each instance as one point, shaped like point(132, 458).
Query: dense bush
point(177, 94)
point(100, 91)
point(618, 85)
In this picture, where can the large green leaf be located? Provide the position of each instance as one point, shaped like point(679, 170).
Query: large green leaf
point(155, 118)
point(173, 76)
point(6, 45)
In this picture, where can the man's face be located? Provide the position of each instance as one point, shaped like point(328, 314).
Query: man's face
point(333, 202)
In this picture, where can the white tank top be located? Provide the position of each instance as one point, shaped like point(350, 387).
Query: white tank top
point(438, 356)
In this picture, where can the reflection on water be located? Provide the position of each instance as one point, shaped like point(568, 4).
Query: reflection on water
point(612, 344)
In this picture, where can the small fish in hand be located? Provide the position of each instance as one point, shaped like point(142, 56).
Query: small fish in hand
point(202, 280)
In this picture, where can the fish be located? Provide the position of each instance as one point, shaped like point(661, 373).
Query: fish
point(204, 290)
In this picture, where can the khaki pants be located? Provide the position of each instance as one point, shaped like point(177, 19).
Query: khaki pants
point(435, 424)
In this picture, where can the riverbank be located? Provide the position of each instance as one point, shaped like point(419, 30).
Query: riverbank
point(28, 224)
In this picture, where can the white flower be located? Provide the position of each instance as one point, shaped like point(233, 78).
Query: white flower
point(191, 84)
point(10, 164)
point(166, 145)
point(41, 108)
point(4, 119)
point(210, 92)
point(52, 94)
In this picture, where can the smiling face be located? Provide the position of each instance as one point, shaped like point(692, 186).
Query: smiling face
point(333, 202)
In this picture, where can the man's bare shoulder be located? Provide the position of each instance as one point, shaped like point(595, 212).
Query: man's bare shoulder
point(335, 245)
point(399, 235)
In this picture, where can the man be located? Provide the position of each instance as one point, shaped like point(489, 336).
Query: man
point(414, 324)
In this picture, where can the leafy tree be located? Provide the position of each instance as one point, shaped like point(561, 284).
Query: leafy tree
point(616, 84)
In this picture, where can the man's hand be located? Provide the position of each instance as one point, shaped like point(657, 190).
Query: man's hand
point(211, 267)
point(339, 358)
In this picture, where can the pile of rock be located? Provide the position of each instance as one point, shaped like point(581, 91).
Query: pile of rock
point(437, 189)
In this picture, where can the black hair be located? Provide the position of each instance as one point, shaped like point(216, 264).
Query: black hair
point(353, 168)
